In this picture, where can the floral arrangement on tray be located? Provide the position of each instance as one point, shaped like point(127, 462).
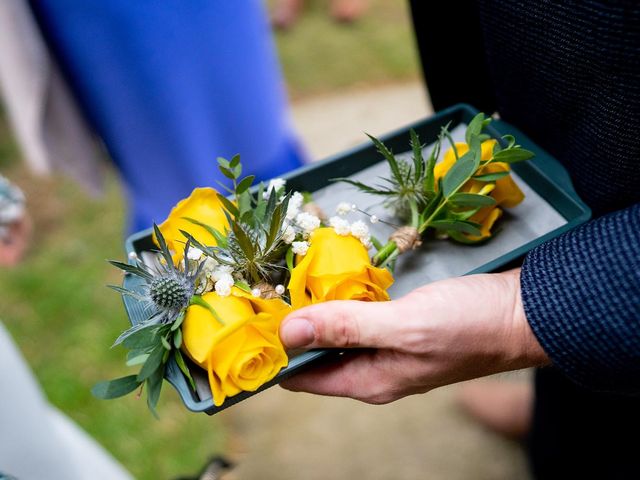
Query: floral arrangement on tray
point(228, 269)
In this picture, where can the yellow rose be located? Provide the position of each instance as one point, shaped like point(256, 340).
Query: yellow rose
point(336, 267)
point(506, 192)
point(202, 205)
point(246, 351)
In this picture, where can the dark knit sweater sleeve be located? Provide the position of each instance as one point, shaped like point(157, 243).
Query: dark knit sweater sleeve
point(581, 295)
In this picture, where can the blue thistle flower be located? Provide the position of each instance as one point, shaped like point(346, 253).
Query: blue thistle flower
point(167, 290)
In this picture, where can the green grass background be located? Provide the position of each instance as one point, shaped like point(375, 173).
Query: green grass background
point(55, 303)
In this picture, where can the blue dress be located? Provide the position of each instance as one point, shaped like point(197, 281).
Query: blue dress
point(170, 86)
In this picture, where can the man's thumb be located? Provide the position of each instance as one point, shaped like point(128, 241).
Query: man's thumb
point(340, 324)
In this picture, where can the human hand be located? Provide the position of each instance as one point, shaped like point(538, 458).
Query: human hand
point(445, 332)
point(15, 241)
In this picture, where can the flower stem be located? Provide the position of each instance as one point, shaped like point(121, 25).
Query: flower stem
point(198, 300)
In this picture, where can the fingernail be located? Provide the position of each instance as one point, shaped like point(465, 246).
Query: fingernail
point(297, 332)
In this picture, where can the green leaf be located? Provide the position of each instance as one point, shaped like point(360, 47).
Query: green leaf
point(229, 206)
point(461, 238)
point(418, 160)
point(237, 170)
point(474, 128)
point(227, 173)
point(152, 364)
point(386, 153)
point(456, 226)
point(459, 173)
point(235, 160)
point(513, 155)
point(137, 359)
point(223, 162)
point(165, 343)
point(178, 321)
point(471, 200)
point(510, 139)
point(245, 184)
point(183, 368)
point(177, 339)
point(198, 300)
point(363, 187)
point(221, 239)
point(276, 220)
point(462, 215)
point(490, 177)
point(429, 179)
point(138, 337)
point(289, 258)
point(115, 388)
point(154, 386)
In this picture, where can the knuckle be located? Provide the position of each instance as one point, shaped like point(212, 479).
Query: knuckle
point(342, 330)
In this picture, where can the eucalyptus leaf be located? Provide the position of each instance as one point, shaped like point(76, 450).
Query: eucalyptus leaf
point(456, 226)
point(138, 359)
point(513, 155)
point(115, 388)
point(153, 363)
point(177, 339)
point(228, 173)
point(459, 173)
point(182, 365)
point(472, 200)
point(461, 238)
point(235, 160)
point(154, 387)
point(474, 127)
point(139, 336)
point(178, 321)
point(491, 177)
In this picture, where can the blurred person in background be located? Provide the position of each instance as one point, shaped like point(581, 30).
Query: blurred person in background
point(286, 13)
point(37, 441)
point(166, 86)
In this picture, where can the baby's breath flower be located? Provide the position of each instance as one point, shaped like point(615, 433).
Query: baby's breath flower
point(224, 284)
point(221, 271)
point(300, 248)
point(344, 208)
point(289, 235)
point(340, 225)
point(293, 208)
point(359, 229)
point(279, 289)
point(307, 222)
point(194, 253)
point(274, 184)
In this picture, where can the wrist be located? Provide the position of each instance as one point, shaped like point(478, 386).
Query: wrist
point(523, 348)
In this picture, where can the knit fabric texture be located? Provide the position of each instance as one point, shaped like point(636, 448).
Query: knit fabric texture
point(581, 294)
point(568, 74)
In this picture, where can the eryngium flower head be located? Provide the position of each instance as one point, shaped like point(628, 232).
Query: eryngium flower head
point(166, 291)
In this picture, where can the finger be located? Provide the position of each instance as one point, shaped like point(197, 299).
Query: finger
point(355, 376)
point(341, 324)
